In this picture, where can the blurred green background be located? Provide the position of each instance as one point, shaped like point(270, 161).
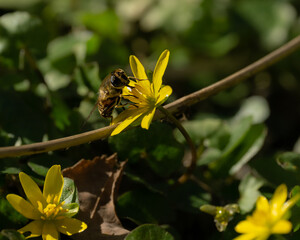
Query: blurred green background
point(54, 54)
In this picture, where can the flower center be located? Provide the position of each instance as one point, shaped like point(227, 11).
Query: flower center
point(53, 211)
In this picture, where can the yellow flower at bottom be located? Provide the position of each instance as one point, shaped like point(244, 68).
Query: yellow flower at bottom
point(268, 217)
point(146, 96)
point(49, 214)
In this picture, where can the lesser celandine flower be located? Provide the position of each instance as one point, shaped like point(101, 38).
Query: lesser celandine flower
point(49, 215)
point(146, 96)
point(268, 217)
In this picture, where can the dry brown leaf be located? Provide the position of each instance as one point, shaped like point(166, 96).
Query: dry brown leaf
point(97, 182)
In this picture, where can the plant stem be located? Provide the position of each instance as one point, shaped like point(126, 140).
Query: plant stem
point(189, 141)
point(176, 106)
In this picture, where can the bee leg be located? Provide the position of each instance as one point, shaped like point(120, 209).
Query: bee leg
point(122, 105)
point(130, 96)
point(134, 105)
point(127, 85)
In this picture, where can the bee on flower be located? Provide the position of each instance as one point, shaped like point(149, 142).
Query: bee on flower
point(145, 95)
point(49, 215)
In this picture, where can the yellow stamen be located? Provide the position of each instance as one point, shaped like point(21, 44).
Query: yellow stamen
point(53, 211)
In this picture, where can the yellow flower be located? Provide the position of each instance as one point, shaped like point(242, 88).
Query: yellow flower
point(268, 217)
point(49, 214)
point(145, 95)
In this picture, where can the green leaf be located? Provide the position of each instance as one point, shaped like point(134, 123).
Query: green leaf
point(69, 193)
point(12, 234)
point(149, 232)
point(41, 163)
point(38, 168)
point(199, 129)
point(257, 107)
point(72, 208)
point(295, 191)
point(210, 155)
point(143, 206)
point(250, 146)
point(60, 112)
point(88, 75)
point(245, 146)
point(157, 146)
point(18, 23)
point(98, 23)
point(165, 159)
point(289, 161)
point(67, 51)
point(238, 132)
point(11, 166)
point(272, 25)
point(249, 193)
point(10, 218)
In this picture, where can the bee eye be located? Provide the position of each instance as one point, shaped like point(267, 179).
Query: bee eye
point(116, 82)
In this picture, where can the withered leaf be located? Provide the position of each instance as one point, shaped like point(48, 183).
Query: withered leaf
point(97, 182)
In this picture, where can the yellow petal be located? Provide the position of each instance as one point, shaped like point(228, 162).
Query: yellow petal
point(144, 88)
point(31, 190)
point(159, 70)
point(49, 231)
point(23, 206)
point(53, 185)
point(263, 236)
point(137, 68)
point(127, 121)
point(70, 226)
point(262, 204)
point(247, 236)
point(278, 200)
point(127, 91)
point(164, 93)
point(282, 227)
point(147, 119)
point(248, 227)
point(123, 115)
point(34, 227)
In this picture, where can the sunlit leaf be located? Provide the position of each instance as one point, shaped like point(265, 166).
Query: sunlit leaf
point(249, 192)
point(256, 107)
point(19, 22)
point(199, 129)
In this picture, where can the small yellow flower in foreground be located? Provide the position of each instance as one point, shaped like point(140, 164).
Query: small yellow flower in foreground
point(268, 217)
point(49, 214)
point(145, 95)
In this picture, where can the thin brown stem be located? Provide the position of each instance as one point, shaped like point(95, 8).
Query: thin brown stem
point(189, 141)
point(176, 106)
point(182, 103)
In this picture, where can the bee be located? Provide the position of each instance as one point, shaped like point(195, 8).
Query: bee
point(110, 92)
